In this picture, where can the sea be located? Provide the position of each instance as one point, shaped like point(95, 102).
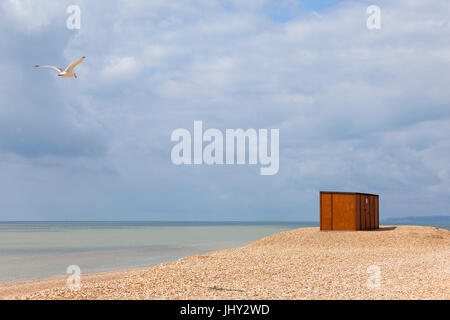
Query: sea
point(33, 250)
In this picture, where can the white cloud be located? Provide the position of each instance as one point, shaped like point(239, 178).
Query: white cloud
point(357, 109)
point(120, 68)
point(30, 15)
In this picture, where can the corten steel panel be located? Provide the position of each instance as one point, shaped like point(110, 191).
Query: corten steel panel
point(372, 212)
point(343, 212)
point(366, 211)
point(348, 211)
point(362, 212)
point(377, 213)
point(325, 211)
point(358, 211)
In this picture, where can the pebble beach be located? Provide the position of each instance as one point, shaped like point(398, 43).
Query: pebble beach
point(394, 262)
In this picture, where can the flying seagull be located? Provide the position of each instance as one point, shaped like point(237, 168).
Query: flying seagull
point(68, 73)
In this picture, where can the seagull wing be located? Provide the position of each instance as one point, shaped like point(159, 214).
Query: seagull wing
point(52, 67)
point(74, 64)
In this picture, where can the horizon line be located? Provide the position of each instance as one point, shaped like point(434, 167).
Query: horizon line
point(219, 221)
point(209, 221)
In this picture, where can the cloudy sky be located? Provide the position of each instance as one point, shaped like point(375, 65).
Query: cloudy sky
point(357, 109)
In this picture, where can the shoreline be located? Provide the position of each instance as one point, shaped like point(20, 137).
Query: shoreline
point(12, 289)
point(303, 263)
point(34, 251)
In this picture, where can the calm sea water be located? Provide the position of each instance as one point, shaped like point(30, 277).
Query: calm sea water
point(30, 250)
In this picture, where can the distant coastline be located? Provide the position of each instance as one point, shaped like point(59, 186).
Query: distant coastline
point(420, 219)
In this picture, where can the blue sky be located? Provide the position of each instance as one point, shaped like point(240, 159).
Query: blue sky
point(317, 5)
point(358, 110)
